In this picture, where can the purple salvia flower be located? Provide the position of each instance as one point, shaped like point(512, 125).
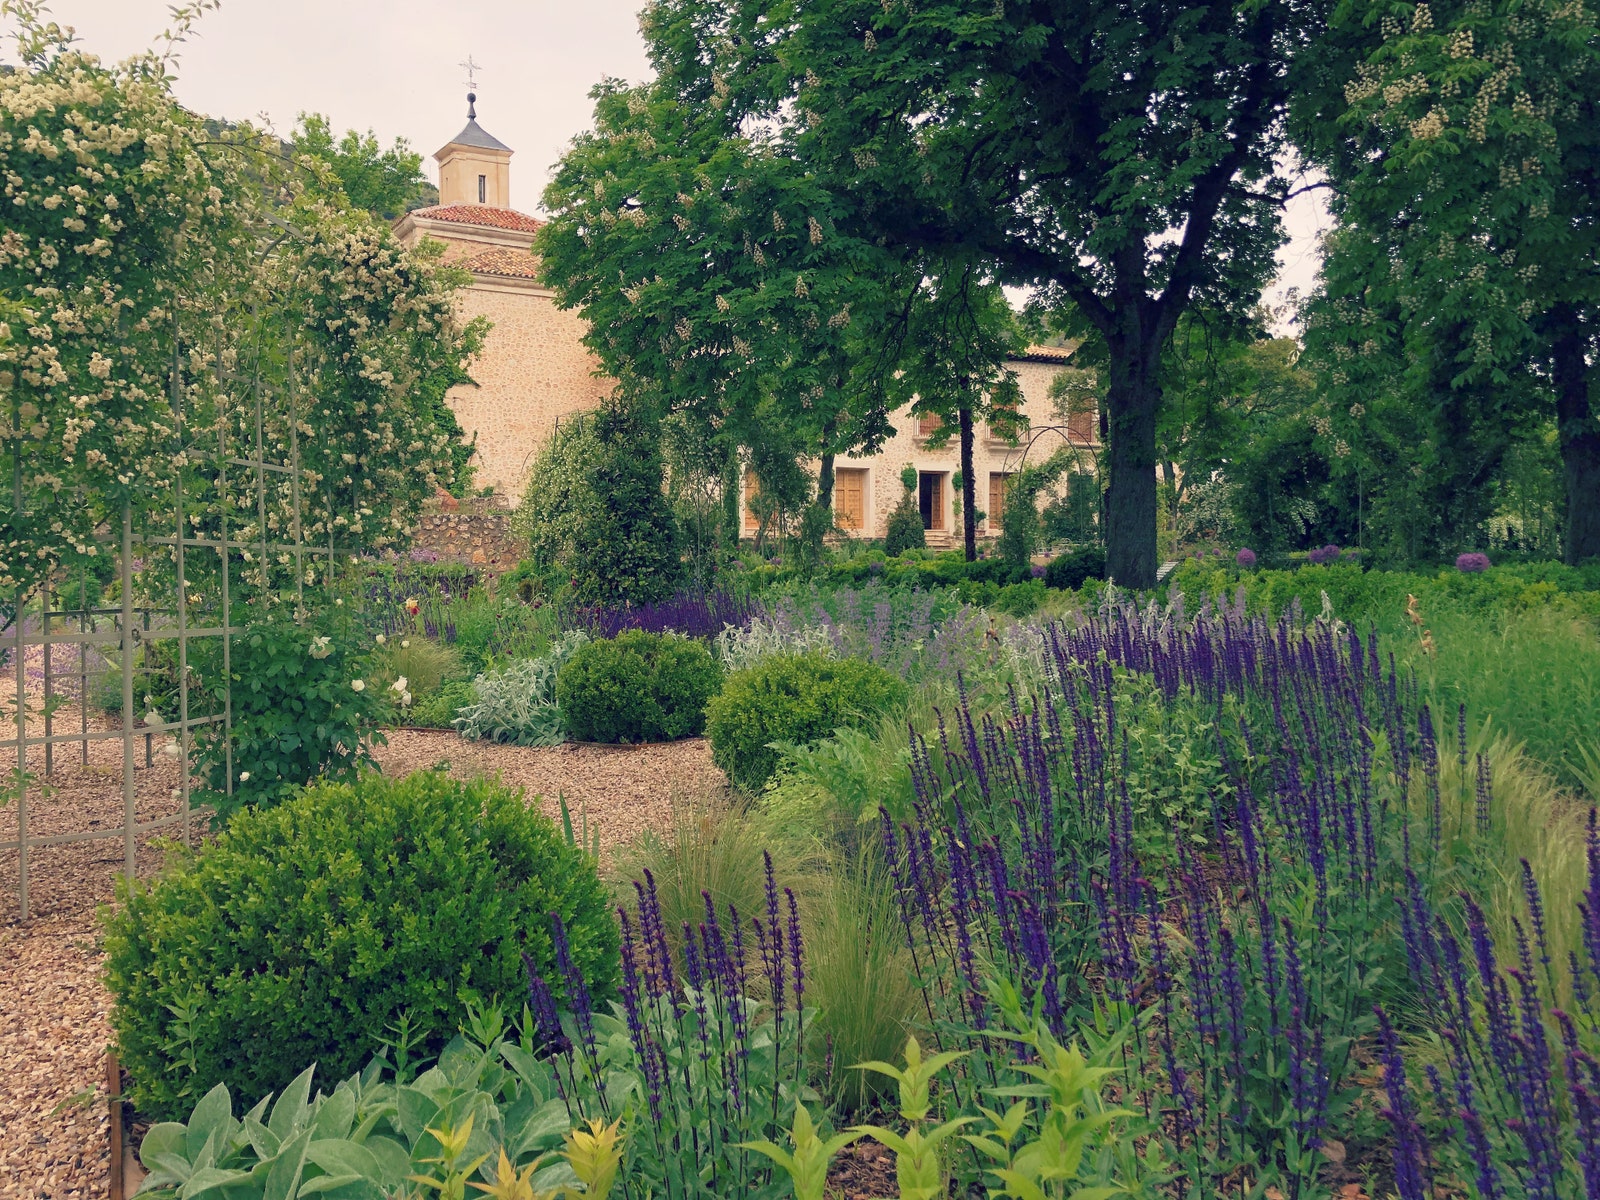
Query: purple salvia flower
point(1410, 1147)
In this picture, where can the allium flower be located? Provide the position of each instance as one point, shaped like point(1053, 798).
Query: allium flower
point(1325, 554)
point(358, 685)
point(1472, 563)
point(1246, 558)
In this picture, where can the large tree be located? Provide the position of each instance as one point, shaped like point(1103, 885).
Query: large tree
point(1464, 138)
point(1122, 158)
point(386, 183)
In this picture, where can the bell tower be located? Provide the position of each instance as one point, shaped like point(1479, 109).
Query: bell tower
point(474, 166)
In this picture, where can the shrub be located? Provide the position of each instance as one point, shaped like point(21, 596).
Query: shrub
point(1472, 563)
point(1072, 570)
point(439, 710)
point(307, 701)
point(904, 531)
point(517, 703)
point(638, 687)
point(792, 698)
point(306, 932)
point(627, 543)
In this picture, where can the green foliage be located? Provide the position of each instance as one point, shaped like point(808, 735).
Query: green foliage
point(482, 1111)
point(517, 703)
point(439, 710)
point(904, 529)
point(859, 974)
point(638, 687)
point(626, 549)
point(425, 665)
point(557, 495)
point(305, 932)
point(385, 183)
point(1073, 569)
point(298, 712)
point(792, 698)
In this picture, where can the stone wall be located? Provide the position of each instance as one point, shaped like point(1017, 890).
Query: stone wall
point(534, 369)
point(474, 532)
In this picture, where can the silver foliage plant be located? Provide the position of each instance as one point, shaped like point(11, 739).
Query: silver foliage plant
point(517, 703)
point(742, 647)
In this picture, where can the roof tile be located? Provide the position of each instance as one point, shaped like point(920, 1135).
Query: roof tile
point(481, 214)
point(517, 264)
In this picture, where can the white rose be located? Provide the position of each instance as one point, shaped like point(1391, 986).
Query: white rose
point(244, 776)
point(405, 643)
point(405, 700)
point(358, 685)
point(381, 639)
point(172, 750)
point(401, 684)
point(152, 718)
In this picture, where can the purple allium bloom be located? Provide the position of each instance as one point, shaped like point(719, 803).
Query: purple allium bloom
point(1246, 558)
point(1472, 563)
point(1324, 554)
point(1036, 571)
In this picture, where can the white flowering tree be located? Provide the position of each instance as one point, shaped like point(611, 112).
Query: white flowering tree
point(174, 294)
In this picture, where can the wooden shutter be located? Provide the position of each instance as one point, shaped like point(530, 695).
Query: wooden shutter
point(752, 489)
point(997, 498)
point(849, 498)
point(929, 424)
point(1083, 425)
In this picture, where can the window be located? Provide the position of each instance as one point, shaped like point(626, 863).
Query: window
point(929, 424)
point(1083, 424)
point(930, 499)
point(850, 498)
point(997, 498)
point(483, 189)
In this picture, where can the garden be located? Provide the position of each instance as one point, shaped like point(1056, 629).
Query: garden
point(673, 862)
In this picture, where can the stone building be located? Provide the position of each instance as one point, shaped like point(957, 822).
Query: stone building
point(534, 369)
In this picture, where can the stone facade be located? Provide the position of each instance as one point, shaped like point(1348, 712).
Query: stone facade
point(474, 532)
point(993, 459)
point(534, 370)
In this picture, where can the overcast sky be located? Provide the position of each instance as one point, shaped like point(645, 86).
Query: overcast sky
point(393, 66)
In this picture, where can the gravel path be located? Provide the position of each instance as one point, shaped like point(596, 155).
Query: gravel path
point(53, 1026)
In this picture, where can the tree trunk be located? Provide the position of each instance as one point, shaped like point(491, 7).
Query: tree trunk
point(969, 486)
point(825, 483)
point(1132, 399)
point(1579, 434)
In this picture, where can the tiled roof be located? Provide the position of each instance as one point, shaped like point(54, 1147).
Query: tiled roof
point(481, 214)
point(518, 264)
point(1046, 354)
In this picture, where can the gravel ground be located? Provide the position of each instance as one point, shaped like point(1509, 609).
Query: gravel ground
point(53, 1026)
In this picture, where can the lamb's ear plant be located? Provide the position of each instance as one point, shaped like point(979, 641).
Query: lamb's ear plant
point(808, 1164)
point(920, 1161)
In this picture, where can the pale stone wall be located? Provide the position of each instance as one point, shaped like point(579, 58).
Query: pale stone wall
point(990, 455)
point(534, 370)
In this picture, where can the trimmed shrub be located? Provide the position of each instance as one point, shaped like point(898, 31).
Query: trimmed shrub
point(307, 932)
point(904, 531)
point(627, 544)
point(798, 698)
point(638, 687)
point(1074, 568)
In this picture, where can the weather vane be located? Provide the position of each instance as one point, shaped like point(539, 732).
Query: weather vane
point(471, 68)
